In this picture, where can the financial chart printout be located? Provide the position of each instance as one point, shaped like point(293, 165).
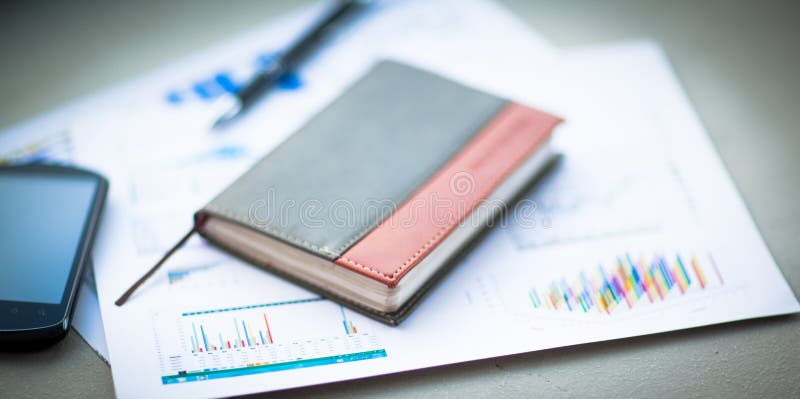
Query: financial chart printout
point(660, 242)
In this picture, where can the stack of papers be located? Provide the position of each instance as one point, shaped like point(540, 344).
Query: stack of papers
point(637, 230)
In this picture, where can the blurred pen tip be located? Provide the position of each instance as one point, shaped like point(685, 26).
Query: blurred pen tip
point(229, 109)
point(220, 123)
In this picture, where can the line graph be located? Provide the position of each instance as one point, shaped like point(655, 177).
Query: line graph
point(609, 182)
point(574, 204)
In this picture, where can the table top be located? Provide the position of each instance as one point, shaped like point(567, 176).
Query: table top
point(738, 61)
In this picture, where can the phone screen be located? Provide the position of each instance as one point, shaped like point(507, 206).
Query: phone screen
point(42, 220)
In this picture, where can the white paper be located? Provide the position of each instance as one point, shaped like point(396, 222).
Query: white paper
point(86, 319)
point(49, 137)
point(639, 179)
point(154, 145)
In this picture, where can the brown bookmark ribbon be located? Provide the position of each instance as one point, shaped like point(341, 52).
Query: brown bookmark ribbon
point(199, 220)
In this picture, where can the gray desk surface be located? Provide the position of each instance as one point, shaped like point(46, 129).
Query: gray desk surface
point(737, 59)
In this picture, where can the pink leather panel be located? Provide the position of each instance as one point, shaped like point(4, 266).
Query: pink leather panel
point(401, 241)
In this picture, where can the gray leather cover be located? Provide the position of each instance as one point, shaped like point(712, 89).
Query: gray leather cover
point(329, 184)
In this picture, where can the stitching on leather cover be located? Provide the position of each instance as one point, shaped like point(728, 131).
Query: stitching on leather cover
point(502, 176)
point(361, 233)
point(413, 257)
point(298, 241)
point(308, 245)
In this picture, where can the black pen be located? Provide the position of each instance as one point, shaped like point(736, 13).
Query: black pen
point(291, 59)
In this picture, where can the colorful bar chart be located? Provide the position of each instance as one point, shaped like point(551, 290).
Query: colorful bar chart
point(202, 343)
point(245, 333)
point(267, 337)
point(349, 327)
point(627, 282)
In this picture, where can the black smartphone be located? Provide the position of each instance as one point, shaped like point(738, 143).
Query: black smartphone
point(48, 219)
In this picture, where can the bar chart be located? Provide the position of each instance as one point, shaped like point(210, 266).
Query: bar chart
point(260, 338)
point(627, 282)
